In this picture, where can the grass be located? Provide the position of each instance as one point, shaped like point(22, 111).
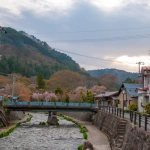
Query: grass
point(80, 147)
point(4, 134)
point(42, 123)
point(83, 130)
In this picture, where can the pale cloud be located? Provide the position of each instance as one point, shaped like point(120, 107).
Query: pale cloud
point(114, 5)
point(39, 7)
point(131, 61)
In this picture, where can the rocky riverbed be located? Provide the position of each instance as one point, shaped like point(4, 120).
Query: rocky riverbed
point(32, 136)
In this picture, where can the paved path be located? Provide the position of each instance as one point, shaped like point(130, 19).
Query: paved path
point(13, 124)
point(98, 139)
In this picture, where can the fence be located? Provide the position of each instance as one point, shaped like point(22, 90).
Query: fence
point(49, 104)
point(140, 119)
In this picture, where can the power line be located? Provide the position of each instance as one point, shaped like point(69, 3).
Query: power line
point(89, 31)
point(90, 56)
point(120, 38)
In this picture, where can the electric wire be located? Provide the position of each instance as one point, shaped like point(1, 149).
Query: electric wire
point(89, 31)
point(119, 38)
point(91, 56)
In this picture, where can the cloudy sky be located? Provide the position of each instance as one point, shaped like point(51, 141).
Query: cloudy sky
point(97, 34)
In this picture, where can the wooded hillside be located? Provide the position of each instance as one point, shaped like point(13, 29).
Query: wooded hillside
point(27, 55)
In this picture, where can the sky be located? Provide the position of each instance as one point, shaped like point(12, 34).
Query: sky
point(97, 34)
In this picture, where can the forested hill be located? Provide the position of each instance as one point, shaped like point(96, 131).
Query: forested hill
point(121, 74)
point(27, 55)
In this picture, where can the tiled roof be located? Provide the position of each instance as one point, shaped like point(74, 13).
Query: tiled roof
point(107, 94)
point(131, 88)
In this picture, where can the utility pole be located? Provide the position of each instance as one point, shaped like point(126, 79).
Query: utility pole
point(139, 64)
point(13, 78)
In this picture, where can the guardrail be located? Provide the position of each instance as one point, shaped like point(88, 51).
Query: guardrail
point(5, 103)
point(140, 119)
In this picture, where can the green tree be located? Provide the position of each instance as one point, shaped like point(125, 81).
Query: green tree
point(58, 90)
point(40, 81)
point(90, 97)
point(129, 80)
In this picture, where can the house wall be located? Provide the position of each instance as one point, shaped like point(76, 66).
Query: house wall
point(120, 97)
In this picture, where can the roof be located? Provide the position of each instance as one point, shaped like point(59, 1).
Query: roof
point(145, 68)
point(107, 94)
point(131, 88)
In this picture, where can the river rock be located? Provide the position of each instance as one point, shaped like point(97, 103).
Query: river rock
point(87, 146)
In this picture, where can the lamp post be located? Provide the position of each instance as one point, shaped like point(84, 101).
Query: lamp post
point(124, 93)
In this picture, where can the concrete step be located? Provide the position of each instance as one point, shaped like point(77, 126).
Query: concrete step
point(120, 137)
point(118, 145)
point(121, 127)
point(121, 132)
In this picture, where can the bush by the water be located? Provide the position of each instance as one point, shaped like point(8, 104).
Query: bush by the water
point(80, 147)
point(42, 123)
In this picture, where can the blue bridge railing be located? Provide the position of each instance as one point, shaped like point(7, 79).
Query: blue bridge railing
point(50, 104)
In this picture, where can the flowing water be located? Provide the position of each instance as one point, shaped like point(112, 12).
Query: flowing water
point(32, 136)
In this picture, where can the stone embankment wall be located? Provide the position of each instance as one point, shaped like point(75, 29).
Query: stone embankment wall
point(107, 123)
point(84, 116)
point(135, 138)
point(5, 116)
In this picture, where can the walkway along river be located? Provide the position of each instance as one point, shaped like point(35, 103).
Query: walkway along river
point(32, 136)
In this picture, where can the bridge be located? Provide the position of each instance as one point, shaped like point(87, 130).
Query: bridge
point(50, 106)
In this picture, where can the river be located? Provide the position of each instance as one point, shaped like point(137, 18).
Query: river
point(32, 136)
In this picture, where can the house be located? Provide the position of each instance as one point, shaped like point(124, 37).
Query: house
point(144, 92)
point(106, 98)
point(128, 95)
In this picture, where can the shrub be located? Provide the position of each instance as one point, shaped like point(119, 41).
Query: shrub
point(85, 135)
point(80, 147)
point(133, 107)
point(116, 104)
point(42, 123)
point(147, 108)
point(126, 111)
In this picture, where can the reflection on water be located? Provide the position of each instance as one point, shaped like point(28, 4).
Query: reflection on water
point(32, 136)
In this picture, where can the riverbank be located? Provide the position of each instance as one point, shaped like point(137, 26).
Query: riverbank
point(14, 123)
point(98, 139)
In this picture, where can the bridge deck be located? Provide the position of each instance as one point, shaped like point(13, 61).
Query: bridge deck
point(49, 106)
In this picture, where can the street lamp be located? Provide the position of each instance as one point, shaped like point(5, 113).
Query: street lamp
point(124, 93)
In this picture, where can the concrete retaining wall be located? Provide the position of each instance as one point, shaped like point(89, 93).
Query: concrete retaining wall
point(84, 116)
point(135, 138)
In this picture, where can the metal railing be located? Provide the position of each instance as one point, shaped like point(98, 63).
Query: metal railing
point(140, 119)
point(70, 104)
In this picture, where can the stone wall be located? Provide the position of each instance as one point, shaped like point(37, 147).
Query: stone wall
point(136, 138)
point(108, 123)
point(16, 115)
point(13, 115)
point(84, 116)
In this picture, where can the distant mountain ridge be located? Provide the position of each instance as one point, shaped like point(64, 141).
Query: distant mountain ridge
point(121, 74)
point(25, 54)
